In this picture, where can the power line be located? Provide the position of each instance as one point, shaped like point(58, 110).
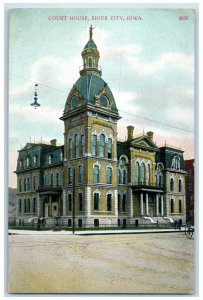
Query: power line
point(151, 120)
point(144, 118)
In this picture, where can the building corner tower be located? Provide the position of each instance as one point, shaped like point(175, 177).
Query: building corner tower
point(90, 146)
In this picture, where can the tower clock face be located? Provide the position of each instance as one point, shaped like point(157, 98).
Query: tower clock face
point(104, 101)
point(74, 102)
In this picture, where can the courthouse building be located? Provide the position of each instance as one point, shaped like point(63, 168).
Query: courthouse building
point(106, 182)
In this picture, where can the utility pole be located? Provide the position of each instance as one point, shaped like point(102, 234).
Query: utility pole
point(73, 208)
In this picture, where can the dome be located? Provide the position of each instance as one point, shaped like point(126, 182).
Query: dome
point(89, 87)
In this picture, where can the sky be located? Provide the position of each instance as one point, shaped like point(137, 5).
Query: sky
point(148, 63)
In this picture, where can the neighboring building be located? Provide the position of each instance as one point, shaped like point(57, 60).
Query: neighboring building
point(190, 197)
point(170, 167)
point(115, 183)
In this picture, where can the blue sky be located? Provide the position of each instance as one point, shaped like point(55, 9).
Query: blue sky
point(148, 64)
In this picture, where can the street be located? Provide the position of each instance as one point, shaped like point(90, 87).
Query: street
point(160, 263)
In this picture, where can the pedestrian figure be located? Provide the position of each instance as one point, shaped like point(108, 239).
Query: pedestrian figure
point(175, 223)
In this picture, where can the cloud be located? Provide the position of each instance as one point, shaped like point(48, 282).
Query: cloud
point(179, 61)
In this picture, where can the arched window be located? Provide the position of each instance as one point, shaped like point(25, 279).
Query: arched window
point(137, 172)
point(83, 144)
point(28, 162)
point(80, 174)
point(70, 175)
point(70, 148)
point(46, 179)
point(142, 175)
point(109, 175)
point(124, 177)
point(180, 206)
point(102, 145)
point(96, 201)
point(25, 184)
point(21, 163)
point(28, 183)
point(180, 185)
point(49, 159)
point(76, 146)
point(176, 163)
point(52, 179)
point(147, 174)
point(34, 160)
point(96, 174)
point(109, 148)
point(171, 185)
point(124, 203)
point(172, 206)
point(160, 178)
point(119, 174)
point(94, 145)
point(90, 62)
point(61, 156)
point(57, 179)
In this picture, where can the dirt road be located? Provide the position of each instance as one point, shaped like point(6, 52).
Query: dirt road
point(134, 263)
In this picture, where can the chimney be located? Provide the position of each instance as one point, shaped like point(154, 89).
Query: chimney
point(53, 142)
point(150, 135)
point(130, 132)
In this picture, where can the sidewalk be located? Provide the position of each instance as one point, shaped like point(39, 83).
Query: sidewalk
point(93, 232)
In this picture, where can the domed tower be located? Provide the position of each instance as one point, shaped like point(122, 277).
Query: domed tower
point(90, 146)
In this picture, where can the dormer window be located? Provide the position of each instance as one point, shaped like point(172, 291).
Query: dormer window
point(21, 164)
point(49, 159)
point(27, 162)
point(104, 101)
point(176, 163)
point(35, 160)
point(74, 102)
point(61, 156)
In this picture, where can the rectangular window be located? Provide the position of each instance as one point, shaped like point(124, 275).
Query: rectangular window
point(24, 205)
point(20, 185)
point(28, 183)
point(57, 179)
point(119, 203)
point(124, 176)
point(76, 146)
point(34, 205)
point(69, 202)
point(80, 201)
point(70, 175)
point(83, 144)
point(20, 206)
point(80, 174)
point(34, 182)
point(109, 148)
point(96, 201)
point(96, 174)
point(28, 206)
point(109, 202)
point(94, 145)
point(25, 184)
point(124, 203)
point(70, 149)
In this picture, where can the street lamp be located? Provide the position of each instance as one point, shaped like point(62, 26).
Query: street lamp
point(35, 104)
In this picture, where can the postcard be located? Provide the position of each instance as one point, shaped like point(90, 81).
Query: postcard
point(101, 150)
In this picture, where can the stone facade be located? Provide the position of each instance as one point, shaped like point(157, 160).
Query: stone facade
point(93, 178)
